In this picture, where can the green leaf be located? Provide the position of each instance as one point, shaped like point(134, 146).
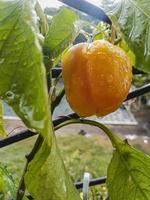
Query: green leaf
point(128, 176)
point(42, 19)
point(23, 87)
point(7, 186)
point(2, 129)
point(132, 17)
point(22, 73)
point(102, 32)
point(52, 180)
point(63, 30)
point(122, 44)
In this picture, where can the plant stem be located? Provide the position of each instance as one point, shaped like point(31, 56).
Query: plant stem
point(113, 138)
point(49, 75)
point(21, 188)
point(29, 157)
point(113, 35)
point(57, 99)
point(117, 41)
point(57, 79)
point(48, 66)
point(36, 147)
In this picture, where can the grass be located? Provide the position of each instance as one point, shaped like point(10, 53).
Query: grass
point(84, 154)
point(13, 156)
point(79, 152)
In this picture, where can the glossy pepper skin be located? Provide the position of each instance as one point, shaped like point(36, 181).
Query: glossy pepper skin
point(97, 77)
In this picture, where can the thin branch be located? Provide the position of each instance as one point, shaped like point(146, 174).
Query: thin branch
point(57, 79)
point(113, 35)
point(21, 188)
point(29, 157)
point(58, 99)
point(52, 92)
point(14, 129)
point(35, 149)
point(118, 40)
point(113, 138)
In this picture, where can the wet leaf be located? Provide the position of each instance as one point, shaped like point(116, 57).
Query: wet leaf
point(122, 44)
point(22, 73)
point(23, 87)
point(102, 32)
point(52, 180)
point(128, 174)
point(62, 31)
point(132, 17)
point(7, 186)
point(42, 19)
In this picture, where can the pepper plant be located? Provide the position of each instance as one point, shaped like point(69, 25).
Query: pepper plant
point(29, 49)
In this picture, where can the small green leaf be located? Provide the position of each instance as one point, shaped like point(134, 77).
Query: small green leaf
point(2, 129)
point(52, 181)
point(42, 19)
point(22, 73)
point(62, 32)
point(128, 175)
point(132, 17)
point(102, 32)
point(7, 186)
point(122, 44)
